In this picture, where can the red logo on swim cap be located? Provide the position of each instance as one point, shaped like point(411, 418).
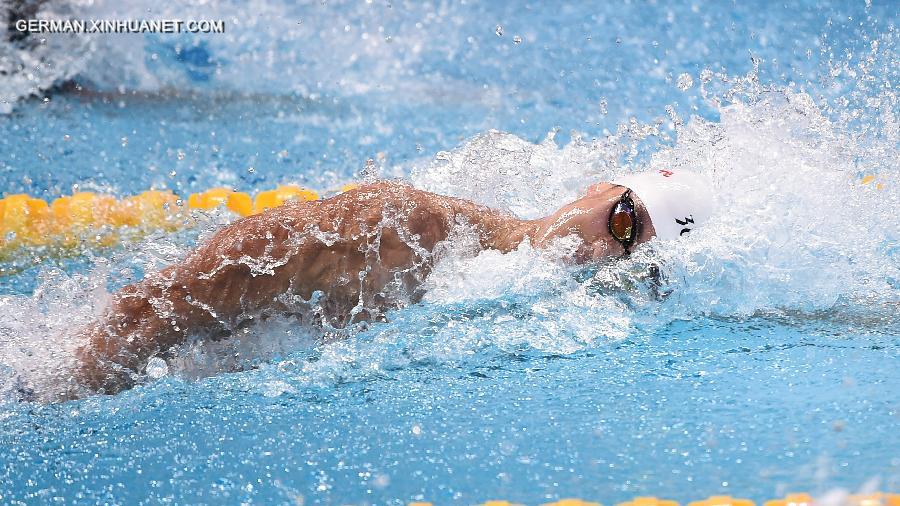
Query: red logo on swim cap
point(666, 173)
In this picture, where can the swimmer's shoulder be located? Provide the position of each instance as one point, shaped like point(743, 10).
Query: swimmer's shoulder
point(377, 196)
point(381, 189)
point(365, 202)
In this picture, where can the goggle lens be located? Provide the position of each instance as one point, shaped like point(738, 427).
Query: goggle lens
point(621, 224)
point(623, 220)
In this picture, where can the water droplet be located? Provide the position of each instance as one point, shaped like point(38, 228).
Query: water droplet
point(517, 40)
point(685, 81)
point(603, 106)
point(180, 154)
point(499, 31)
point(706, 76)
point(381, 481)
point(370, 170)
point(124, 141)
point(157, 368)
point(67, 137)
point(251, 170)
point(416, 430)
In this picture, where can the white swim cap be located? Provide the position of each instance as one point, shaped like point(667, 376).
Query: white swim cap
point(677, 201)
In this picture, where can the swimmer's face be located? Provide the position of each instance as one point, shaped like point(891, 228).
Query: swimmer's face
point(588, 219)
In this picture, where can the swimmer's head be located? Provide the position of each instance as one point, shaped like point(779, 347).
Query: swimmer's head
point(613, 218)
point(677, 201)
point(610, 220)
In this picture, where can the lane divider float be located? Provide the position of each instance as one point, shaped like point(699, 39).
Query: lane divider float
point(88, 219)
point(874, 499)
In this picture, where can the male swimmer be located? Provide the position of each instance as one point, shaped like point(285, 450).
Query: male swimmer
point(353, 256)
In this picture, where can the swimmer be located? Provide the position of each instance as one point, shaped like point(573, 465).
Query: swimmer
point(354, 256)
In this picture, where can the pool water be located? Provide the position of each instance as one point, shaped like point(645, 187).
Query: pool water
point(763, 361)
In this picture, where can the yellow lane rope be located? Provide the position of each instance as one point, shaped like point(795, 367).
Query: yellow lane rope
point(874, 499)
point(92, 219)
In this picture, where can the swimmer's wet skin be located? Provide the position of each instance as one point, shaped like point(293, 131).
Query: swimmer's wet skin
point(354, 256)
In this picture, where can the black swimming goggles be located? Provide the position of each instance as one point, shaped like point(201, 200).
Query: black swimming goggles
point(624, 223)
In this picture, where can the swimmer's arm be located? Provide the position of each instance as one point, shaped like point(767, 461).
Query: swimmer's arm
point(207, 292)
point(241, 270)
point(215, 285)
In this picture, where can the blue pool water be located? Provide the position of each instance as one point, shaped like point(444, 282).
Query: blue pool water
point(766, 363)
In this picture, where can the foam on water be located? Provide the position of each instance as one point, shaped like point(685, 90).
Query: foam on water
point(38, 349)
point(795, 229)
